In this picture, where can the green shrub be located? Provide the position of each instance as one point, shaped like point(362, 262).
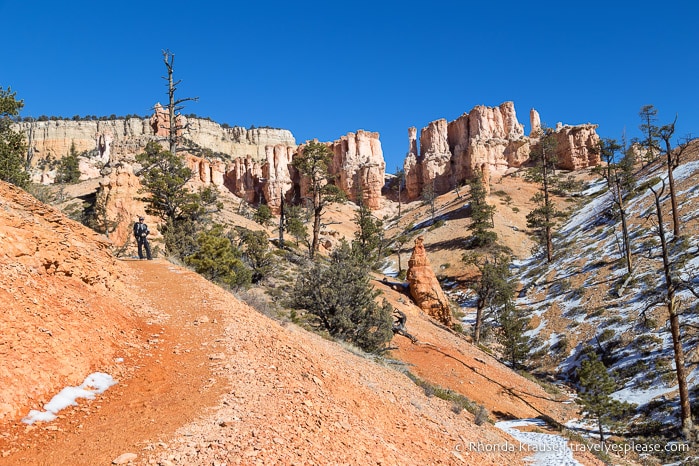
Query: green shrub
point(343, 300)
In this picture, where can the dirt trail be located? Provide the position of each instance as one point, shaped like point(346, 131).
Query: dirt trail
point(170, 385)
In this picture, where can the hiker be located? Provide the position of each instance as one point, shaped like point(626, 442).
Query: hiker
point(140, 231)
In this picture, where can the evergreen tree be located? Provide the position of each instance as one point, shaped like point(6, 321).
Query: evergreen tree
point(340, 296)
point(218, 259)
point(262, 215)
point(164, 179)
point(295, 226)
point(256, 253)
point(493, 288)
point(596, 387)
point(314, 163)
point(648, 114)
point(481, 213)
point(513, 324)
point(671, 285)
point(12, 144)
point(399, 186)
point(69, 167)
point(544, 217)
point(174, 105)
point(369, 236)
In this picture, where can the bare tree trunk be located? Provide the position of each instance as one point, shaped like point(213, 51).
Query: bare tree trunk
point(547, 228)
point(685, 407)
point(624, 228)
point(673, 197)
point(169, 59)
point(479, 323)
point(281, 220)
point(317, 211)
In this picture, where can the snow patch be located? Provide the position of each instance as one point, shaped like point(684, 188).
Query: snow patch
point(548, 449)
point(94, 384)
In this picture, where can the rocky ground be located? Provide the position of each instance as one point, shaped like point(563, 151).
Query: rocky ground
point(205, 379)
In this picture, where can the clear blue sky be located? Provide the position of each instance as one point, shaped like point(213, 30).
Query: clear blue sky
point(322, 69)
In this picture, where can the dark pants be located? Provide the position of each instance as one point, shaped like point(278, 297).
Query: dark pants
point(143, 241)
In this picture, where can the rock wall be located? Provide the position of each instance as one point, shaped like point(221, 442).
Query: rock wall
point(121, 139)
point(357, 162)
point(359, 166)
point(575, 146)
point(490, 139)
point(425, 288)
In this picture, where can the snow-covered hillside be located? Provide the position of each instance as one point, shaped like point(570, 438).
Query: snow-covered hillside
point(585, 298)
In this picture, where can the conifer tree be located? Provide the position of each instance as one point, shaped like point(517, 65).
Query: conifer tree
point(217, 259)
point(262, 215)
point(481, 213)
point(513, 325)
point(493, 288)
point(340, 296)
point(69, 167)
point(648, 114)
point(183, 211)
point(314, 164)
point(671, 285)
point(428, 198)
point(368, 239)
point(12, 143)
point(596, 388)
point(544, 217)
point(295, 226)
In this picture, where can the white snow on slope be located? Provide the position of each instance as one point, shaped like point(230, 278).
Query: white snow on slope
point(548, 449)
point(94, 384)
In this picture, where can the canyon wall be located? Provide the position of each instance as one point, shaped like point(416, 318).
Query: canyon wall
point(491, 140)
point(121, 139)
point(357, 164)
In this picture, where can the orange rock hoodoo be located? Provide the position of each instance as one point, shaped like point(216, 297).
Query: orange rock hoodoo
point(424, 287)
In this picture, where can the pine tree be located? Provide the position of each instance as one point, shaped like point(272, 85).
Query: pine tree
point(174, 105)
point(671, 285)
point(183, 212)
point(513, 325)
point(262, 215)
point(493, 288)
point(12, 143)
point(648, 114)
point(369, 236)
point(596, 387)
point(256, 253)
point(314, 164)
point(344, 302)
point(544, 217)
point(295, 226)
point(69, 167)
point(481, 213)
point(428, 198)
point(218, 259)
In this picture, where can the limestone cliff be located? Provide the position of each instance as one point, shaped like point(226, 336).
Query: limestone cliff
point(121, 139)
point(489, 139)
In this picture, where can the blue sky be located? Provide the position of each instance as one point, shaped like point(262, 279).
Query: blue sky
point(322, 69)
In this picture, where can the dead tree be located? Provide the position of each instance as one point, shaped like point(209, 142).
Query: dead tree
point(399, 325)
point(671, 285)
point(673, 160)
point(174, 105)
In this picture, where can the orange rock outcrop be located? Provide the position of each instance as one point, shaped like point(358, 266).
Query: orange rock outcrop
point(425, 288)
point(490, 139)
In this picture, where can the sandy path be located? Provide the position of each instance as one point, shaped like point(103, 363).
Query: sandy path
point(172, 384)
